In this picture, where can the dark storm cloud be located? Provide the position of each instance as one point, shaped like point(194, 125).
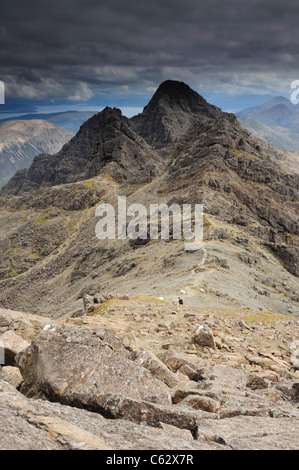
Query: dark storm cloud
point(72, 49)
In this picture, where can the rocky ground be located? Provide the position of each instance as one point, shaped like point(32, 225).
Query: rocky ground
point(143, 373)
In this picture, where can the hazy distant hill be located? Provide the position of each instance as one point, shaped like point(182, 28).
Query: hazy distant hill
point(276, 121)
point(279, 136)
point(21, 141)
point(70, 120)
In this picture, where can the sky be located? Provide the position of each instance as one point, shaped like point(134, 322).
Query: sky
point(64, 54)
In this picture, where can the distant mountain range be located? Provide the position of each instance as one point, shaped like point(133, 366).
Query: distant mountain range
point(276, 121)
point(21, 141)
point(69, 120)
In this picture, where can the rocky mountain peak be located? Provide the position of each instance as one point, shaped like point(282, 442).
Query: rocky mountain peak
point(176, 95)
point(120, 152)
point(104, 143)
point(170, 113)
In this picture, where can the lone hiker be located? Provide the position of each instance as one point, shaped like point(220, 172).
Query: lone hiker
point(181, 301)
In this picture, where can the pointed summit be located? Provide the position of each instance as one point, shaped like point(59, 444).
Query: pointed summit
point(177, 95)
point(169, 114)
point(120, 152)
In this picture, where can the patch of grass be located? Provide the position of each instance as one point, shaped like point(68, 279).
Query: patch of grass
point(148, 298)
point(90, 184)
point(265, 317)
point(73, 222)
point(290, 234)
point(101, 309)
point(206, 222)
point(41, 219)
point(245, 155)
point(9, 248)
point(12, 273)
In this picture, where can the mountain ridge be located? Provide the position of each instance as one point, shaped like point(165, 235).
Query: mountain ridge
point(69, 120)
point(250, 222)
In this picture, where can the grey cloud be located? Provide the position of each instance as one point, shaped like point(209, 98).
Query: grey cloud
point(70, 42)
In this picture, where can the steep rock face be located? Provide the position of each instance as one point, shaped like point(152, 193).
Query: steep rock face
point(169, 114)
point(120, 152)
point(104, 143)
point(222, 166)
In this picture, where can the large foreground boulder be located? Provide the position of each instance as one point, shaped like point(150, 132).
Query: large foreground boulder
point(27, 424)
point(77, 365)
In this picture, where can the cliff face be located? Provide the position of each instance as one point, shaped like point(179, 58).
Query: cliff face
point(169, 114)
point(240, 181)
point(119, 152)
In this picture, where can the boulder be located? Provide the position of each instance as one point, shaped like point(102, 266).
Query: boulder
point(11, 375)
point(151, 362)
point(203, 336)
point(198, 402)
point(180, 362)
point(23, 324)
point(28, 424)
point(224, 380)
point(251, 433)
point(256, 382)
point(294, 347)
point(76, 365)
point(12, 345)
point(143, 412)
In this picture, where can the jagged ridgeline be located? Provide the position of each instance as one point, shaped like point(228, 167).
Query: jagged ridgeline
point(179, 149)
